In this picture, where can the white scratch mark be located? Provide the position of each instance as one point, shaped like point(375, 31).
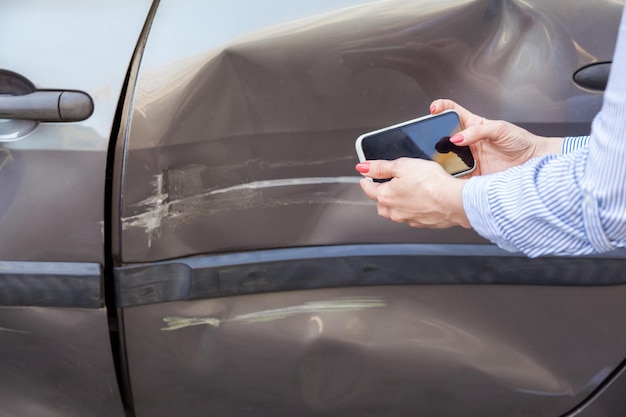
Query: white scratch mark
point(319, 323)
point(175, 323)
point(255, 185)
point(317, 307)
point(158, 206)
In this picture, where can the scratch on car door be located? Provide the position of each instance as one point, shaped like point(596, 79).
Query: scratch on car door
point(5, 157)
point(156, 208)
point(174, 200)
point(314, 307)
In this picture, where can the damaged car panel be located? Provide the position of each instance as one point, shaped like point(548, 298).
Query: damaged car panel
point(253, 275)
point(362, 329)
point(188, 236)
point(277, 101)
point(383, 351)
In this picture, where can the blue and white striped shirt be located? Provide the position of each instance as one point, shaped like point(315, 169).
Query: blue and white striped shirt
point(569, 204)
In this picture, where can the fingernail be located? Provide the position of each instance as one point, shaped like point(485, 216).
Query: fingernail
point(458, 138)
point(363, 167)
point(433, 109)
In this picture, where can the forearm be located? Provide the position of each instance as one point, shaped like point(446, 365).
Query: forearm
point(568, 204)
point(535, 208)
point(548, 146)
point(558, 146)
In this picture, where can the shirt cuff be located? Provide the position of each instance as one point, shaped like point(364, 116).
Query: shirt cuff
point(572, 143)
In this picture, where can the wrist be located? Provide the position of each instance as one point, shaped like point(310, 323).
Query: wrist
point(453, 203)
point(548, 146)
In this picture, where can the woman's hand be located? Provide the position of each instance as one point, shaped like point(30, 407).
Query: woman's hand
point(496, 145)
point(420, 192)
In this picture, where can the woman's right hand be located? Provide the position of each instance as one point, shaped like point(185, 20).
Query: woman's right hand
point(496, 145)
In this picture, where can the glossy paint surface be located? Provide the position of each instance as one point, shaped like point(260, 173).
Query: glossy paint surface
point(56, 362)
point(244, 120)
point(52, 180)
point(56, 358)
point(241, 139)
point(385, 351)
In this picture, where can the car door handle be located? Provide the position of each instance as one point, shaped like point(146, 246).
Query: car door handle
point(593, 76)
point(47, 106)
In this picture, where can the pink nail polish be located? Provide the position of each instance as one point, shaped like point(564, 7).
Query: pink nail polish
point(363, 167)
point(456, 138)
point(433, 109)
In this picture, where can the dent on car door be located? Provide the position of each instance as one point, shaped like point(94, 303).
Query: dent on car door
point(62, 67)
point(254, 276)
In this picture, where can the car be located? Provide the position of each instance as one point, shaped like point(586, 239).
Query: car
point(182, 231)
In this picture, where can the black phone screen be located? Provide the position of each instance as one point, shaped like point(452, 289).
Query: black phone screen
point(426, 138)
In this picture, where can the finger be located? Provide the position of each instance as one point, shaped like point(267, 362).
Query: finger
point(443, 104)
point(490, 130)
point(391, 213)
point(370, 188)
point(381, 169)
point(383, 211)
point(467, 117)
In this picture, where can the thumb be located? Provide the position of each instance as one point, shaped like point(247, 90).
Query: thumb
point(378, 169)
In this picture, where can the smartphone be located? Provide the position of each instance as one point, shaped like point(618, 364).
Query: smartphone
point(427, 137)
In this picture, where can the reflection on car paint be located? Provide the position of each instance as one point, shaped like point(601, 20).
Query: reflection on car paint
point(5, 329)
point(5, 157)
point(592, 384)
point(330, 306)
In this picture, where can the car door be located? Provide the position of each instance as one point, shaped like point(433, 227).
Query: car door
point(62, 69)
point(254, 277)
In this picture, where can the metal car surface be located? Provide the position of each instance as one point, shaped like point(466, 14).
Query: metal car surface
point(238, 166)
point(245, 273)
point(54, 331)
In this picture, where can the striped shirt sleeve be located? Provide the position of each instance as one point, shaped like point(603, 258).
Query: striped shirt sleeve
point(569, 204)
point(571, 143)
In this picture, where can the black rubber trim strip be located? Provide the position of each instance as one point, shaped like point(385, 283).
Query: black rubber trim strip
point(356, 265)
point(51, 284)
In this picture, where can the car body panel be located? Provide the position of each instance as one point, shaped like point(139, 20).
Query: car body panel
point(235, 127)
point(54, 329)
point(251, 275)
point(53, 179)
point(444, 350)
point(255, 278)
point(57, 362)
point(609, 401)
point(372, 329)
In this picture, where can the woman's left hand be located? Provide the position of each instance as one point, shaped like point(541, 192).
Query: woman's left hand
point(419, 193)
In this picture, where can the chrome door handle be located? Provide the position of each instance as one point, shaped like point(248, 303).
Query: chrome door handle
point(47, 106)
